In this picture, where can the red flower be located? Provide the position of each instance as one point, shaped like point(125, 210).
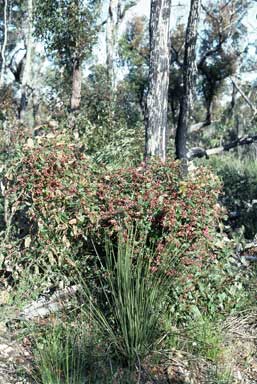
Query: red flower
point(206, 233)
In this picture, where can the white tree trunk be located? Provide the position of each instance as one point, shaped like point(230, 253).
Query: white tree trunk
point(4, 44)
point(157, 98)
point(27, 73)
point(116, 13)
point(111, 38)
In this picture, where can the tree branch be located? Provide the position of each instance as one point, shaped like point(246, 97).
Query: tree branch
point(202, 124)
point(199, 152)
point(248, 101)
point(176, 56)
point(221, 38)
point(210, 53)
point(122, 12)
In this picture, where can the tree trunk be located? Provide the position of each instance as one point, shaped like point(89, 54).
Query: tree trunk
point(4, 45)
point(111, 38)
point(188, 81)
point(27, 72)
point(157, 98)
point(76, 86)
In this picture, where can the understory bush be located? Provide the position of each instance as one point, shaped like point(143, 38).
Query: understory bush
point(61, 203)
point(239, 191)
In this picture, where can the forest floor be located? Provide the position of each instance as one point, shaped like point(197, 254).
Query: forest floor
point(174, 367)
point(14, 356)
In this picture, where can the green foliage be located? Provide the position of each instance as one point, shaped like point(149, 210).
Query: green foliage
point(68, 351)
point(73, 352)
point(206, 339)
point(203, 339)
point(213, 291)
point(135, 299)
point(68, 28)
point(134, 50)
point(124, 145)
point(107, 124)
point(240, 192)
point(220, 46)
point(219, 376)
point(43, 194)
point(134, 57)
point(60, 355)
point(181, 217)
point(59, 184)
point(60, 201)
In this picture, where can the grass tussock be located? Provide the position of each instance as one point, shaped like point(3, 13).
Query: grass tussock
point(135, 298)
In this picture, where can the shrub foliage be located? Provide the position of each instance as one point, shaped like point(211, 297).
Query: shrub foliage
point(60, 201)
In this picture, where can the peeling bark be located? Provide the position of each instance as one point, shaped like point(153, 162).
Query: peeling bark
point(189, 67)
point(114, 15)
point(4, 44)
point(27, 72)
point(157, 98)
point(76, 86)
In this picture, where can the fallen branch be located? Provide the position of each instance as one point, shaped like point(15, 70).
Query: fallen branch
point(249, 257)
point(47, 306)
point(199, 152)
point(198, 126)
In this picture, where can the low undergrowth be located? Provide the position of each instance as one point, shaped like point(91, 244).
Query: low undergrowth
point(59, 203)
point(144, 246)
point(239, 191)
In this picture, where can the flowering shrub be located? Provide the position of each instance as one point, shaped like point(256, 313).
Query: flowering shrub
point(60, 201)
point(182, 218)
point(179, 213)
point(51, 190)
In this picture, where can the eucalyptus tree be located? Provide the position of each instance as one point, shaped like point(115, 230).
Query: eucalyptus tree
point(26, 83)
point(69, 29)
point(189, 64)
point(14, 26)
point(222, 49)
point(157, 98)
point(4, 41)
point(11, 31)
point(114, 15)
point(116, 12)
